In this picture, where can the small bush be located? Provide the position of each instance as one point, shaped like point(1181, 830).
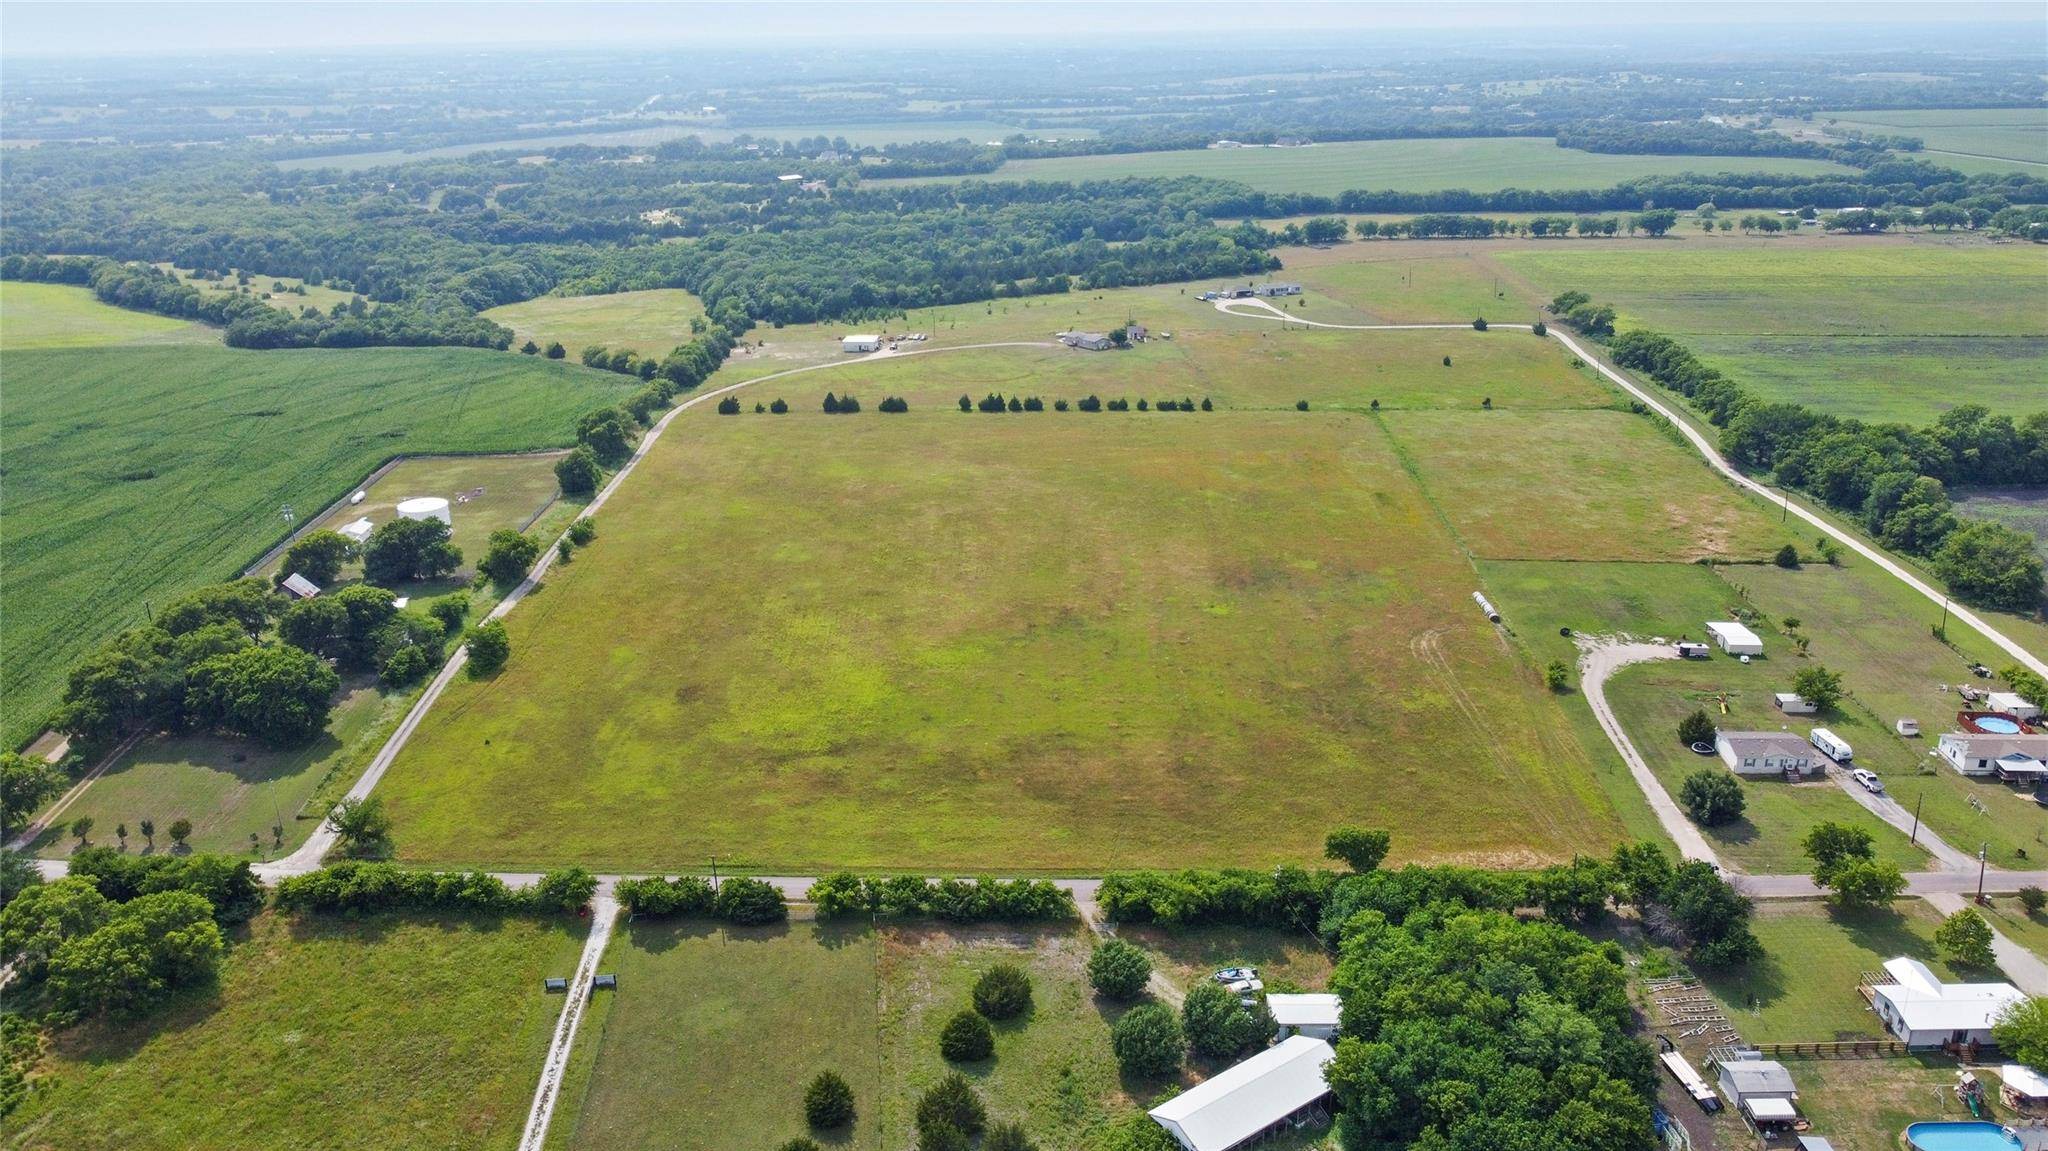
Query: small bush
point(1008, 1137)
point(2033, 899)
point(749, 902)
point(1301, 405)
point(1787, 557)
point(1148, 1041)
point(778, 407)
point(1712, 797)
point(801, 1143)
point(967, 1038)
point(1479, 325)
point(582, 531)
point(828, 1102)
point(1003, 992)
point(729, 406)
point(1696, 728)
point(1118, 970)
point(952, 1102)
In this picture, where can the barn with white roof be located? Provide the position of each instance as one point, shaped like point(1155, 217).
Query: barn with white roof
point(1265, 1093)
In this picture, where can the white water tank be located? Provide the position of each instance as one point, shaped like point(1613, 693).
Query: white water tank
point(425, 508)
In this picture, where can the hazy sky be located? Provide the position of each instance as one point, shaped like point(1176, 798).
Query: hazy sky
point(84, 28)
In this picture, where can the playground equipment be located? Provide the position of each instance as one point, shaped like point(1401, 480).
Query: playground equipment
point(1970, 1092)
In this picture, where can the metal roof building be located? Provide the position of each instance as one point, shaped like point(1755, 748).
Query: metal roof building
point(1249, 1099)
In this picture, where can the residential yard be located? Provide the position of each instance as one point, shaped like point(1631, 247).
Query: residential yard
point(651, 322)
point(1187, 956)
point(1640, 601)
point(1481, 165)
point(66, 316)
point(715, 1032)
point(385, 1031)
point(1498, 477)
point(115, 506)
point(232, 788)
point(2014, 922)
point(1031, 643)
point(1900, 328)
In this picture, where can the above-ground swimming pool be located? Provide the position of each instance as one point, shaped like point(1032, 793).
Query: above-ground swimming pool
point(1997, 724)
point(1960, 1137)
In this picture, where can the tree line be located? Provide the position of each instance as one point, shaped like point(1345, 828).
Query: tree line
point(1893, 478)
point(977, 900)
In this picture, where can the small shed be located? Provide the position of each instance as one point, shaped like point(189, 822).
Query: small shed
point(1749, 1081)
point(1687, 649)
point(357, 531)
point(299, 587)
point(1136, 333)
point(1792, 703)
point(1312, 1015)
point(2023, 1089)
point(2012, 703)
point(1735, 638)
point(1813, 1143)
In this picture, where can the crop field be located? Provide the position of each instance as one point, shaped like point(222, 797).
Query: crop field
point(1804, 990)
point(651, 322)
point(113, 506)
point(1479, 165)
point(64, 316)
point(232, 788)
point(1633, 494)
point(484, 494)
point(1037, 643)
point(2017, 135)
point(715, 1032)
point(323, 1034)
point(1898, 329)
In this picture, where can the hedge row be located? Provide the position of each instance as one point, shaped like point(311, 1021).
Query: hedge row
point(739, 900)
point(958, 900)
point(353, 887)
point(1283, 897)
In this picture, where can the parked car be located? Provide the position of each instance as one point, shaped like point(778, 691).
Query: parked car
point(1246, 986)
point(1235, 974)
point(1869, 780)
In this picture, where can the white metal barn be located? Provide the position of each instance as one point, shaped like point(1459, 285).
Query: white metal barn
point(2012, 703)
point(1922, 1011)
point(1252, 1098)
point(300, 587)
point(859, 343)
point(1735, 638)
point(1312, 1015)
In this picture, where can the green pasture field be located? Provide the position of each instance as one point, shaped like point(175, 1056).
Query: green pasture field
point(1238, 370)
point(652, 322)
point(230, 788)
point(1030, 643)
point(2019, 135)
point(2017, 924)
point(2022, 509)
point(503, 492)
point(1578, 485)
point(1804, 989)
point(114, 506)
point(1650, 699)
point(715, 1032)
point(1893, 329)
point(1640, 601)
point(1410, 282)
point(1481, 165)
point(259, 286)
point(64, 316)
point(384, 1031)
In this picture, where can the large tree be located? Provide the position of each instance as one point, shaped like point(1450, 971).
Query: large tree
point(318, 555)
point(403, 550)
point(280, 694)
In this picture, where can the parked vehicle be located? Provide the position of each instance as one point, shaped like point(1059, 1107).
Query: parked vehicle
point(1831, 745)
point(1246, 986)
point(1235, 974)
point(1869, 780)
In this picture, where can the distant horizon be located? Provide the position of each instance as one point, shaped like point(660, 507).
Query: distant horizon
point(179, 30)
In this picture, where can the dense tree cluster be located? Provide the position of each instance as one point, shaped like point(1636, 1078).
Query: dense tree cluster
point(958, 900)
point(739, 900)
point(1286, 897)
point(354, 887)
point(362, 628)
point(1892, 476)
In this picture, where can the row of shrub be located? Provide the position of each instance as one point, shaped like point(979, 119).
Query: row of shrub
point(739, 900)
point(356, 887)
point(604, 438)
point(959, 900)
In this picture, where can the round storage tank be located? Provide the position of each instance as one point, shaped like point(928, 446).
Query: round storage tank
point(425, 508)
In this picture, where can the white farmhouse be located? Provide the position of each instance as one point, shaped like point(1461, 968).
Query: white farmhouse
point(1312, 1015)
point(1922, 1011)
point(2013, 758)
point(1735, 638)
point(1765, 754)
point(1257, 1096)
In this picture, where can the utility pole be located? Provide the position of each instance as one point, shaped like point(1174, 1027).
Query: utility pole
point(1980, 871)
point(1944, 615)
point(1915, 838)
point(714, 873)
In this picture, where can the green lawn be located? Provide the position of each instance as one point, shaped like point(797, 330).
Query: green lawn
point(1188, 956)
point(650, 322)
point(385, 1031)
point(114, 506)
point(1577, 485)
point(1031, 643)
point(1898, 329)
point(1636, 600)
point(2014, 922)
point(63, 316)
point(1478, 165)
point(715, 1032)
point(1804, 990)
point(230, 788)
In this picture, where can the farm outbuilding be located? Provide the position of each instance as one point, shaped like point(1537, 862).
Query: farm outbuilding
point(299, 587)
point(1089, 341)
point(1259, 1095)
point(1314, 1015)
point(859, 343)
point(2012, 703)
point(1764, 754)
point(1922, 1011)
point(358, 531)
point(425, 508)
point(1791, 703)
point(1735, 638)
point(1760, 1089)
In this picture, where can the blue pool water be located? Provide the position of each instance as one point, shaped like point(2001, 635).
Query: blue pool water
point(1998, 724)
point(1959, 1137)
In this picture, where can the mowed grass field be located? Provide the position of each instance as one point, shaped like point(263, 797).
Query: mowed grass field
point(136, 473)
point(1897, 329)
point(715, 1032)
point(1483, 164)
point(384, 1031)
point(1037, 642)
point(651, 322)
point(2017, 135)
point(63, 316)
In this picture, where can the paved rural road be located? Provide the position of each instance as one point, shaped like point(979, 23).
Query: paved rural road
point(1599, 659)
point(1888, 809)
point(2023, 967)
point(1706, 449)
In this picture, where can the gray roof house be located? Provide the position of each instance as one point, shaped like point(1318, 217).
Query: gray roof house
point(1765, 754)
point(1092, 341)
